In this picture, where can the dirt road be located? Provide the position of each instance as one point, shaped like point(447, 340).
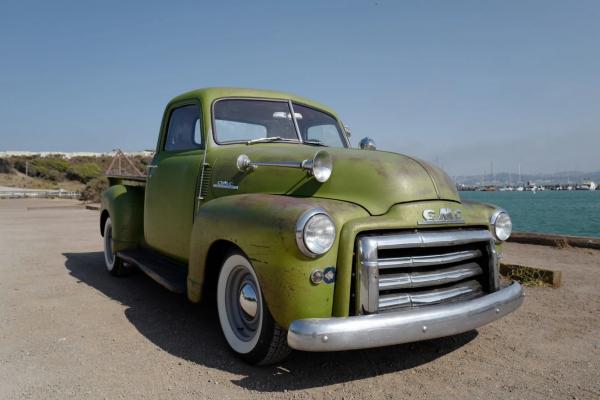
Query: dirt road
point(69, 330)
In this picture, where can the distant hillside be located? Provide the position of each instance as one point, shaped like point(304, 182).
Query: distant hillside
point(69, 155)
point(69, 171)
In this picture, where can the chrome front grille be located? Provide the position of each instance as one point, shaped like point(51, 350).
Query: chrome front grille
point(426, 260)
point(407, 280)
point(461, 291)
point(421, 268)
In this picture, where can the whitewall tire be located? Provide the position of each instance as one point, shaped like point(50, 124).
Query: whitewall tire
point(114, 264)
point(245, 320)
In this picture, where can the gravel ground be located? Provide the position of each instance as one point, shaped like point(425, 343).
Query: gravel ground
point(69, 330)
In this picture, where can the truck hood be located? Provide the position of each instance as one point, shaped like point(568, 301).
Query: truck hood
point(375, 180)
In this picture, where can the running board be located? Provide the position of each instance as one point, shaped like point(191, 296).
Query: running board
point(170, 274)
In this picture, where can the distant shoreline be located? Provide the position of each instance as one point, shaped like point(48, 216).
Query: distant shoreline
point(68, 155)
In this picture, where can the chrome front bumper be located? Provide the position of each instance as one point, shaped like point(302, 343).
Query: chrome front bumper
point(375, 330)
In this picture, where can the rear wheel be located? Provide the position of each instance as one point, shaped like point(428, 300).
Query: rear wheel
point(114, 264)
point(245, 320)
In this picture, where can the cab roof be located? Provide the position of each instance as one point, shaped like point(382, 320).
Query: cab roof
point(210, 94)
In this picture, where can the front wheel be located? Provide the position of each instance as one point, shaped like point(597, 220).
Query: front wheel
point(245, 320)
point(114, 264)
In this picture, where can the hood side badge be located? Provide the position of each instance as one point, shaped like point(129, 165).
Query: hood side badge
point(225, 185)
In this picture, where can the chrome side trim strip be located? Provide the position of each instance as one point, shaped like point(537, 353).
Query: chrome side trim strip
point(366, 331)
point(429, 278)
point(428, 297)
point(423, 261)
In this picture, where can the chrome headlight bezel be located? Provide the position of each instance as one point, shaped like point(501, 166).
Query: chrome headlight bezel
point(301, 225)
point(497, 218)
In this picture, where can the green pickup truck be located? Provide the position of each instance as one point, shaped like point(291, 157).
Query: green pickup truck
point(255, 199)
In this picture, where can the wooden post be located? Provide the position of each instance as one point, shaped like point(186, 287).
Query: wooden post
point(531, 276)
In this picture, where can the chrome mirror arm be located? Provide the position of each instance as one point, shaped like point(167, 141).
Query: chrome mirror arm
point(322, 160)
point(244, 164)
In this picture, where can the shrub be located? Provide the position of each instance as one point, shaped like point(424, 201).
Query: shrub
point(84, 172)
point(18, 164)
point(93, 189)
point(48, 168)
point(5, 166)
point(56, 164)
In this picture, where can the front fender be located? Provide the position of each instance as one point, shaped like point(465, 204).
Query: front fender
point(485, 211)
point(263, 227)
point(125, 206)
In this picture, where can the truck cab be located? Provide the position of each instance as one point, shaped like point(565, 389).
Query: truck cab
point(256, 199)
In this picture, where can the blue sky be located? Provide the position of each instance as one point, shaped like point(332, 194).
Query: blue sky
point(460, 83)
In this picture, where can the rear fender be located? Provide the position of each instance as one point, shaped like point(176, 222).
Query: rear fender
point(125, 207)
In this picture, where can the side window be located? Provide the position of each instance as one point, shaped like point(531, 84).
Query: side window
point(185, 130)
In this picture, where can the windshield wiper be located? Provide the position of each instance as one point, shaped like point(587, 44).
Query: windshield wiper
point(270, 139)
point(315, 143)
point(263, 139)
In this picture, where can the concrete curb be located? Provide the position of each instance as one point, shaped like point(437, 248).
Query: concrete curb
point(546, 239)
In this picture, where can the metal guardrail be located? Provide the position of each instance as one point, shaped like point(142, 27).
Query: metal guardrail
point(20, 194)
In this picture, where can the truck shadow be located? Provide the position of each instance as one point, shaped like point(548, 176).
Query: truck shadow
point(192, 332)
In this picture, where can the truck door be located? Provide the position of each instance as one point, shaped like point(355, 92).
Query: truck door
point(172, 181)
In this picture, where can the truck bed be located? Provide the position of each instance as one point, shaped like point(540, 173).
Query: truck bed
point(126, 180)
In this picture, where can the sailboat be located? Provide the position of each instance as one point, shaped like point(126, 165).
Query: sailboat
point(520, 188)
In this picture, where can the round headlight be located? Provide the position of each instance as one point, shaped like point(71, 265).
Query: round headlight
point(315, 232)
point(502, 225)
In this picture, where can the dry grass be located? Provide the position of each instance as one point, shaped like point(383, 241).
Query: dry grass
point(562, 244)
point(19, 180)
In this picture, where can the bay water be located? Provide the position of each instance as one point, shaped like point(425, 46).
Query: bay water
point(563, 212)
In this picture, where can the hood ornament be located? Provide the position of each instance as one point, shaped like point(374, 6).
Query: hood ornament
point(321, 166)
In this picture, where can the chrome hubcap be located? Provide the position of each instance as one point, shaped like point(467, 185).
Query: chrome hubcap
point(248, 302)
point(108, 251)
point(243, 303)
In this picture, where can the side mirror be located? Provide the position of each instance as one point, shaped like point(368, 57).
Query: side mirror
point(367, 144)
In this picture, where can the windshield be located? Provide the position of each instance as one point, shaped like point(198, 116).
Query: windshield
point(247, 120)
